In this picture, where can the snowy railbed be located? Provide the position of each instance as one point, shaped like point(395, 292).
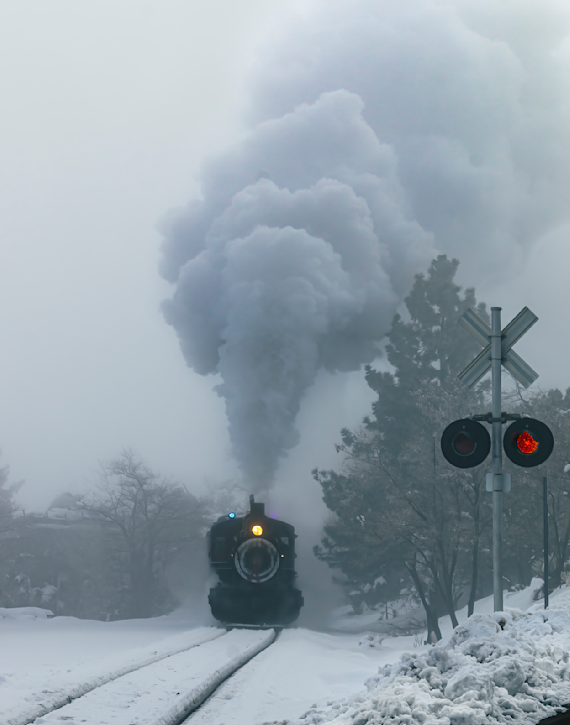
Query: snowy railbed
point(164, 692)
point(509, 667)
point(24, 699)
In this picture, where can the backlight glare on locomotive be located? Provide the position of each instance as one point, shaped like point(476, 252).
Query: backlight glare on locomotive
point(256, 530)
point(526, 443)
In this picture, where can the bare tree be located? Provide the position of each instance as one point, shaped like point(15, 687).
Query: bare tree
point(7, 504)
point(149, 519)
point(10, 531)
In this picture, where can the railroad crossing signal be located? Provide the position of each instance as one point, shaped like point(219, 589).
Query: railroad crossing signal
point(527, 442)
point(513, 332)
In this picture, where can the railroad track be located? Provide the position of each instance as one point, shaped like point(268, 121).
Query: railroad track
point(163, 690)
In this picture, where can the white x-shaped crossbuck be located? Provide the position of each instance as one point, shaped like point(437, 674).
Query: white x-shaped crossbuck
point(512, 362)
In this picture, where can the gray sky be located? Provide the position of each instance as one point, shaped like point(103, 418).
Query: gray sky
point(108, 109)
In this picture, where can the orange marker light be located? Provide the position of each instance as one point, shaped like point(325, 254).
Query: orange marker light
point(526, 443)
point(256, 530)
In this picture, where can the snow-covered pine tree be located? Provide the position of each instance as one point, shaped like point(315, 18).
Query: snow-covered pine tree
point(398, 506)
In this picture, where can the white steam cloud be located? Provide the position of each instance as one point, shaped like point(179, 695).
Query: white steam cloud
point(382, 133)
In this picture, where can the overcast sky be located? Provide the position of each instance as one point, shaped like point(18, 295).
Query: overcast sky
point(108, 110)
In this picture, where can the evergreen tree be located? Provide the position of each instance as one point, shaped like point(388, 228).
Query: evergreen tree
point(397, 504)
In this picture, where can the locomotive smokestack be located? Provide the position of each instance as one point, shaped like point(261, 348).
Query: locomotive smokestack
point(257, 509)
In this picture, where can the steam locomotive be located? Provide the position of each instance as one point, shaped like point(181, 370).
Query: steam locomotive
point(254, 557)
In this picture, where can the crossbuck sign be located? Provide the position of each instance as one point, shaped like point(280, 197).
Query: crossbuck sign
point(497, 352)
point(513, 332)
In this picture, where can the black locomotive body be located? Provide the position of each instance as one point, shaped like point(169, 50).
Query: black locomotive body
point(254, 557)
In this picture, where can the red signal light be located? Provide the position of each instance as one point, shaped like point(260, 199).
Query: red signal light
point(526, 443)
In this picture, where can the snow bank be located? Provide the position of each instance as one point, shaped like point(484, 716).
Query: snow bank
point(508, 667)
point(25, 613)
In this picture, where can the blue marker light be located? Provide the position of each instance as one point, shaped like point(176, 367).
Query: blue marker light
point(231, 515)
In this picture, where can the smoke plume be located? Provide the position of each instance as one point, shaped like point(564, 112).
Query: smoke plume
point(381, 133)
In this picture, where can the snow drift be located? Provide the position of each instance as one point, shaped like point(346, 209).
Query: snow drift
point(509, 667)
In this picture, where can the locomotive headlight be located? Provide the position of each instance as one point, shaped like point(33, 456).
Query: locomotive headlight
point(256, 530)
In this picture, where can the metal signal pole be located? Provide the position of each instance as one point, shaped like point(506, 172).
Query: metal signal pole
point(497, 451)
point(545, 534)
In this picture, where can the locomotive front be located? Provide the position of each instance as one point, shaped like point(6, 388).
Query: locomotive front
point(254, 557)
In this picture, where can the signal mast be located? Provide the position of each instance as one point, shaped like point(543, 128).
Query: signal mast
point(527, 442)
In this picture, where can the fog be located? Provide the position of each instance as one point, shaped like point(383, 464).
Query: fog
point(108, 110)
point(230, 147)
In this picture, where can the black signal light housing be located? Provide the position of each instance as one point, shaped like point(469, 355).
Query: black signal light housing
point(528, 442)
point(465, 443)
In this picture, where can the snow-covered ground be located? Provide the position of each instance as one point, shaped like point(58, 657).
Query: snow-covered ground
point(512, 668)
point(502, 667)
point(41, 659)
